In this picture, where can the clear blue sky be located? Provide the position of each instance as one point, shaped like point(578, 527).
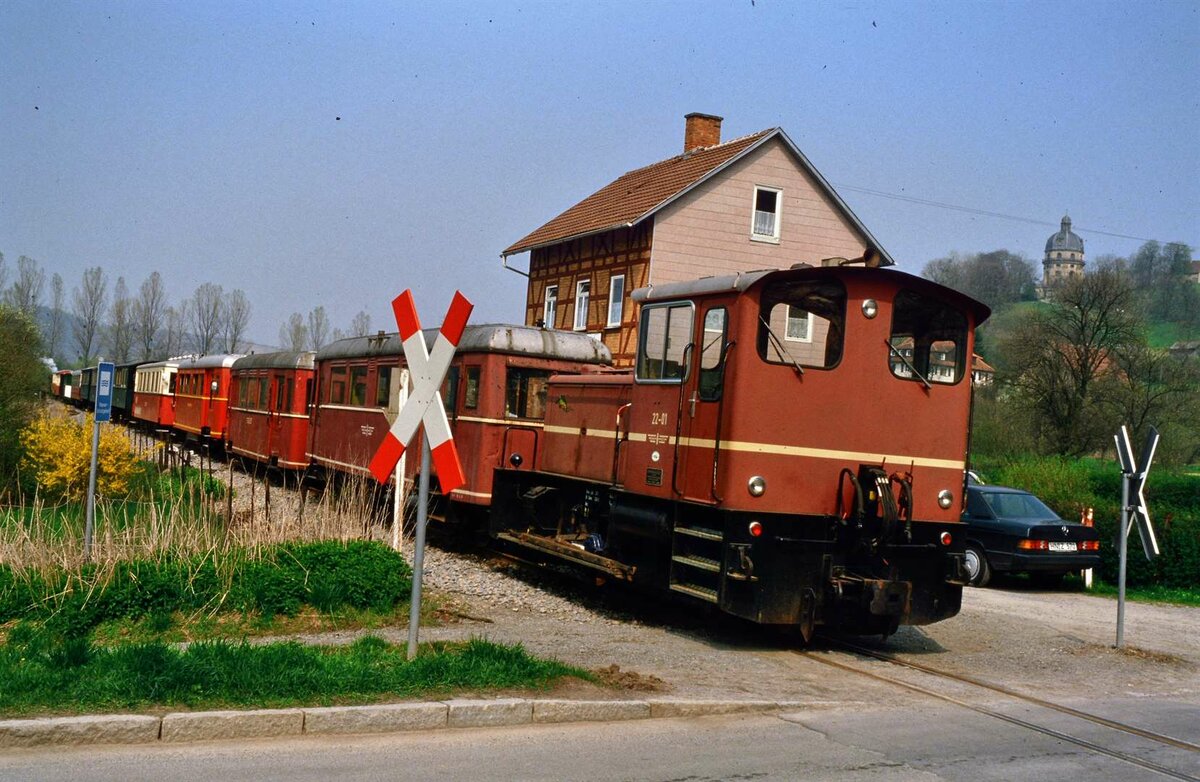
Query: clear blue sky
point(203, 139)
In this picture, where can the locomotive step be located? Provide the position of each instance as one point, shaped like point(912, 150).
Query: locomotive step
point(699, 532)
point(701, 563)
point(708, 595)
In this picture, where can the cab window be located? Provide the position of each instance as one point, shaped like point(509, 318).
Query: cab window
point(928, 340)
point(712, 354)
point(471, 392)
point(802, 323)
point(665, 335)
point(525, 393)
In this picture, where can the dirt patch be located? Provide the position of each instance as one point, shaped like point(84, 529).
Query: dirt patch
point(1147, 655)
point(613, 676)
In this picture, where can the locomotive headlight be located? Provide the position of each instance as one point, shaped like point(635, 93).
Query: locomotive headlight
point(870, 308)
point(756, 486)
point(945, 498)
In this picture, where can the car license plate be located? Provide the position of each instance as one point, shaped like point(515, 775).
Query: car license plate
point(1061, 546)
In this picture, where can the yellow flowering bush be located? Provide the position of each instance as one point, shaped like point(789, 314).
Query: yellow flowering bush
point(58, 452)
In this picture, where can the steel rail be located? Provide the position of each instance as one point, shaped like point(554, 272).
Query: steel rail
point(1051, 732)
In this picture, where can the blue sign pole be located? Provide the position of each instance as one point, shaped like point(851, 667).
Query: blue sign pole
point(104, 387)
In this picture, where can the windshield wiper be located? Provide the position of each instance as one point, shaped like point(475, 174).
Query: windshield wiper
point(778, 343)
point(908, 364)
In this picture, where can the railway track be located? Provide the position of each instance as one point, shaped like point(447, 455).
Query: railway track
point(967, 702)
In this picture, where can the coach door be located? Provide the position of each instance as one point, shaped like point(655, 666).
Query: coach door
point(702, 391)
point(277, 407)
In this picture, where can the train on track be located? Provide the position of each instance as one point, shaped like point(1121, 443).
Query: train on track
point(789, 447)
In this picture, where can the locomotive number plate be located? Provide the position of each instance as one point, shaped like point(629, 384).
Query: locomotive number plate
point(1056, 545)
point(653, 476)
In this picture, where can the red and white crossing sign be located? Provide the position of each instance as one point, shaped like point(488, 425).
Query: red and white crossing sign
point(424, 405)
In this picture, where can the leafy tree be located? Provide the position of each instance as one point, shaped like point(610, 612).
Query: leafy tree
point(318, 328)
point(237, 318)
point(996, 278)
point(293, 335)
point(89, 302)
point(22, 377)
point(1055, 358)
point(1160, 273)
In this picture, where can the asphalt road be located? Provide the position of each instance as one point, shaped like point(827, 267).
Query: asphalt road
point(920, 742)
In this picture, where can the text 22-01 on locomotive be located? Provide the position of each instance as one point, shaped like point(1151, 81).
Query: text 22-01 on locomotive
point(790, 447)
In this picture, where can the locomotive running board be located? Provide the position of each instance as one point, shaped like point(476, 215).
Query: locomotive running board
point(569, 552)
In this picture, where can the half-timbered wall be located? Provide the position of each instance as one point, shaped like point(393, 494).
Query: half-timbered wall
point(596, 258)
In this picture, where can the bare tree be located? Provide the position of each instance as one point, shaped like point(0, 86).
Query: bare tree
point(149, 311)
point(293, 335)
point(237, 318)
point(175, 323)
point(88, 304)
point(337, 334)
point(120, 322)
point(361, 325)
point(318, 328)
point(26, 290)
point(3, 271)
point(207, 319)
point(57, 299)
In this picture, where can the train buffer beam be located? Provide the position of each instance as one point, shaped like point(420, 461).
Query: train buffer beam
point(882, 597)
point(569, 552)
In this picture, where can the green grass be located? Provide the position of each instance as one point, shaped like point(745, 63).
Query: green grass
point(1163, 335)
point(1150, 594)
point(40, 676)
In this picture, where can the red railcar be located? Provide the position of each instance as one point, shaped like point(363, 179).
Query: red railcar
point(783, 449)
point(268, 412)
point(202, 396)
point(154, 393)
point(494, 396)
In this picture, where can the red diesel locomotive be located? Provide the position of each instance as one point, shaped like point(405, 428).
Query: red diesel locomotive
point(781, 450)
point(494, 395)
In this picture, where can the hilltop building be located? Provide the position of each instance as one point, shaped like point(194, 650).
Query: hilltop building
point(1064, 257)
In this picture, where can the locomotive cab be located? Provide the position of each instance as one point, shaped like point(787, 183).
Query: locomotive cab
point(789, 446)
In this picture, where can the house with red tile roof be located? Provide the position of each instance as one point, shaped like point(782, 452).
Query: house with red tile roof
point(754, 202)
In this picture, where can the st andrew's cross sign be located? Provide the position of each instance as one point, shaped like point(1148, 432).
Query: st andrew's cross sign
point(424, 406)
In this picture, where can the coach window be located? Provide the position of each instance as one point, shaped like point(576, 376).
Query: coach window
point(383, 386)
point(289, 394)
point(471, 392)
point(525, 393)
point(337, 385)
point(264, 396)
point(450, 391)
point(280, 392)
point(801, 323)
point(358, 386)
point(666, 333)
point(712, 358)
point(928, 341)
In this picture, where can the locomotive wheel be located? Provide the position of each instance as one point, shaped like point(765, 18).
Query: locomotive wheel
point(978, 570)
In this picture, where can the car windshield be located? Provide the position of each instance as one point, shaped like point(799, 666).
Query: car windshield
point(1008, 505)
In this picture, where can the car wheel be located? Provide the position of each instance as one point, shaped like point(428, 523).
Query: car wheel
point(978, 571)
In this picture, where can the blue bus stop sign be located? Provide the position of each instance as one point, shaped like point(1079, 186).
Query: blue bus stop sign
point(104, 389)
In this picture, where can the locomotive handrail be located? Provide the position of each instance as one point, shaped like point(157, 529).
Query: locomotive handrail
point(619, 439)
point(687, 353)
point(907, 363)
point(729, 345)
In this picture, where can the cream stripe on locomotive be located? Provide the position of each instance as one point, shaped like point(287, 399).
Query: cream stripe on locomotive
point(765, 448)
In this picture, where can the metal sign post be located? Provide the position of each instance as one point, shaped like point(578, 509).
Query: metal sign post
point(1133, 483)
point(424, 409)
point(104, 384)
point(400, 495)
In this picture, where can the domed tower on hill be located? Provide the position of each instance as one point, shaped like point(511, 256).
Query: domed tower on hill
point(1064, 256)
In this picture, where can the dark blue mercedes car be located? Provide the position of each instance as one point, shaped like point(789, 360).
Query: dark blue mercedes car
point(1012, 531)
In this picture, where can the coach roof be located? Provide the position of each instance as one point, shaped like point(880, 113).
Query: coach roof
point(283, 359)
point(484, 338)
point(208, 362)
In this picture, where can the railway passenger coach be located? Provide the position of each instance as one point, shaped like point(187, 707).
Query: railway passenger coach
point(202, 396)
point(782, 450)
point(154, 393)
point(494, 393)
point(268, 414)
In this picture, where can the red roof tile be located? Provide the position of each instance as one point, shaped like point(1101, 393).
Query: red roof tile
point(636, 194)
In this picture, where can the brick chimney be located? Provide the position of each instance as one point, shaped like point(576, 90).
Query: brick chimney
point(703, 130)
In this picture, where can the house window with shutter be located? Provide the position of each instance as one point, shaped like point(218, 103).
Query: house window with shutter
point(764, 225)
point(583, 289)
point(550, 308)
point(616, 301)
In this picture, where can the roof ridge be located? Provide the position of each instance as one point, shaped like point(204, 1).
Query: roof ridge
point(692, 152)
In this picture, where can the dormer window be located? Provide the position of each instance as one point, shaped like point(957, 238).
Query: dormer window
point(765, 224)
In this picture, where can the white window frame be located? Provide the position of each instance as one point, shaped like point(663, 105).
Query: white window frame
point(582, 297)
point(616, 304)
point(773, 237)
point(808, 324)
point(550, 307)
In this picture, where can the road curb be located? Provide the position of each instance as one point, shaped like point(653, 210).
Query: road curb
point(179, 727)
